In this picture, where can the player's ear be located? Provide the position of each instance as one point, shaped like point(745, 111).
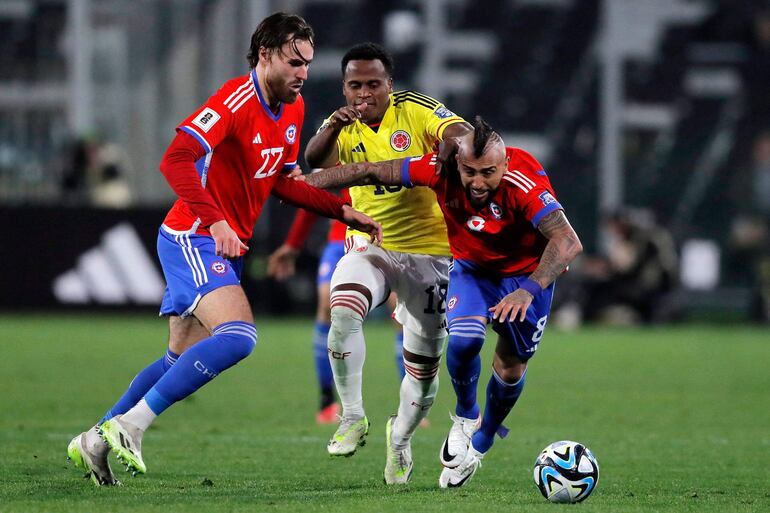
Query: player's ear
point(390, 85)
point(264, 55)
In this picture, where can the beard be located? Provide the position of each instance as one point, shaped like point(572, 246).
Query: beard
point(281, 90)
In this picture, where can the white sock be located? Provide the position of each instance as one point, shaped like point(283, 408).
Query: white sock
point(347, 352)
point(140, 415)
point(418, 390)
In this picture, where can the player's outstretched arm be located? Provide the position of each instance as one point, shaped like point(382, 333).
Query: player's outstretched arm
point(300, 194)
point(563, 246)
point(387, 172)
point(362, 223)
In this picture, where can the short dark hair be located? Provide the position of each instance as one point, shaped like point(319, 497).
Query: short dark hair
point(368, 52)
point(483, 134)
point(275, 30)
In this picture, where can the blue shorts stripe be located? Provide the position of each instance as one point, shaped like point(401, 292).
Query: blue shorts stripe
point(189, 260)
point(205, 276)
point(192, 260)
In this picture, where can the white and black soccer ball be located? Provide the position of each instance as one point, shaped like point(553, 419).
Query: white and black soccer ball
point(566, 472)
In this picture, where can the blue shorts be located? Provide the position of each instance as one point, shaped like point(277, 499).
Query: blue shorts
point(192, 270)
point(331, 255)
point(473, 292)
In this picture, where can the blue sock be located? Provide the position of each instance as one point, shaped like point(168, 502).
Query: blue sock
point(399, 347)
point(501, 397)
point(141, 383)
point(230, 343)
point(466, 337)
point(323, 369)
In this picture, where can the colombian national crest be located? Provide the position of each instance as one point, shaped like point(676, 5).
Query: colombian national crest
point(400, 140)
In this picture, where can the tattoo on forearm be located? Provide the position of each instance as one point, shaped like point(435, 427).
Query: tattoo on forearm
point(563, 246)
point(552, 223)
point(358, 173)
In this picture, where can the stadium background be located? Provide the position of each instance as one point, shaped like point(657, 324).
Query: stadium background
point(652, 104)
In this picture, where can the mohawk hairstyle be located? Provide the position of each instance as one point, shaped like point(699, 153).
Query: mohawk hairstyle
point(483, 135)
point(277, 29)
point(368, 52)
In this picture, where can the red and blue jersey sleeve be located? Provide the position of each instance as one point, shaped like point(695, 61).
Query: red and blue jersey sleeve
point(212, 122)
point(532, 190)
point(419, 171)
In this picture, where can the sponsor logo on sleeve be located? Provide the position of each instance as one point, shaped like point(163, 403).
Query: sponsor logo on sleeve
point(291, 133)
point(206, 119)
point(546, 198)
point(400, 140)
point(443, 113)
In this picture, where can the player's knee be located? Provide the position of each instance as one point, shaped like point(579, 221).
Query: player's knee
point(240, 338)
point(348, 309)
point(422, 361)
point(509, 370)
point(466, 338)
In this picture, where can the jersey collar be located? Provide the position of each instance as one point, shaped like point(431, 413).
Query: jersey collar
point(265, 106)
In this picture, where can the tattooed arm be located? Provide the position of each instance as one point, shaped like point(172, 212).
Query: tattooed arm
point(563, 246)
point(359, 173)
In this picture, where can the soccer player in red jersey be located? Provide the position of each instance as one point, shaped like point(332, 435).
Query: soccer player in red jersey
point(226, 159)
point(510, 240)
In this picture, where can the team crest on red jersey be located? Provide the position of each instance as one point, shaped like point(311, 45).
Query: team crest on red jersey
point(400, 140)
point(476, 223)
point(291, 133)
point(497, 212)
point(218, 267)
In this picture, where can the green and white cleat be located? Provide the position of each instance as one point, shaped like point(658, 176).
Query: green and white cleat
point(350, 435)
point(126, 440)
point(398, 464)
point(89, 452)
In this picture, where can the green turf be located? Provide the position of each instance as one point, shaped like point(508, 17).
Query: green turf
point(679, 419)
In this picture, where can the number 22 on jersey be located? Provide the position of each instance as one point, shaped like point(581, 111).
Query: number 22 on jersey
point(271, 157)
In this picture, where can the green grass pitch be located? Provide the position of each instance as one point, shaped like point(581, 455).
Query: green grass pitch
point(678, 418)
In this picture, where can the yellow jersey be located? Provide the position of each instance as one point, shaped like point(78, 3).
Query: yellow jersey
point(412, 125)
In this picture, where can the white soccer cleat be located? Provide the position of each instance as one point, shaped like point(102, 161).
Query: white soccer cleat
point(89, 452)
point(461, 474)
point(126, 440)
point(398, 464)
point(456, 443)
point(350, 435)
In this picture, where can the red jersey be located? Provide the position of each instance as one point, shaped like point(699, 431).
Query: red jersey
point(246, 147)
point(502, 236)
point(304, 221)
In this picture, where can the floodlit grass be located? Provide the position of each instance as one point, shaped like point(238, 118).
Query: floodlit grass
point(678, 418)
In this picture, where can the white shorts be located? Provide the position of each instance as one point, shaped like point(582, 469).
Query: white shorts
point(419, 281)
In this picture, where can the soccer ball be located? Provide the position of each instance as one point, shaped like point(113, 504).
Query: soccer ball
point(566, 472)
